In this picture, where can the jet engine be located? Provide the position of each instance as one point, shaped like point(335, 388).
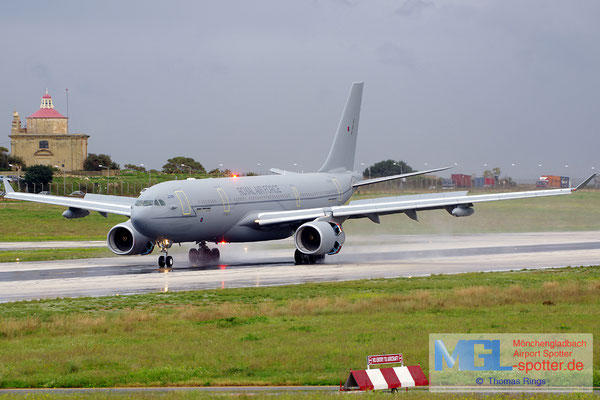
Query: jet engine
point(319, 238)
point(460, 211)
point(124, 240)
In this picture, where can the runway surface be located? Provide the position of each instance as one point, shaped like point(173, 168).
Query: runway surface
point(267, 264)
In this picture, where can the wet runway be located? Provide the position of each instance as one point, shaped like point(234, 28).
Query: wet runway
point(267, 264)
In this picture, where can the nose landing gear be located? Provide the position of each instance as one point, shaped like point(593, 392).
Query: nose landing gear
point(203, 255)
point(165, 260)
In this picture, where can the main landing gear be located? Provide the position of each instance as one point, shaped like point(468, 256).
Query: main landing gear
point(301, 258)
point(165, 261)
point(203, 255)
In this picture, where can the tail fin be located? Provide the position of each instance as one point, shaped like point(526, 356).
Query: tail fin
point(341, 154)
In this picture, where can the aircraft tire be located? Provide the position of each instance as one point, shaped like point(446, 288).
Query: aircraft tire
point(299, 257)
point(161, 261)
point(215, 255)
point(169, 261)
point(193, 256)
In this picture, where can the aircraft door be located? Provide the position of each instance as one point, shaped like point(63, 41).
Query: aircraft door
point(186, 209)
point(225, 200)
point(296, 195)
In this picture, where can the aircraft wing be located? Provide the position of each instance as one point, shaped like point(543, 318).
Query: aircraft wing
point(393, 177)
point(373, 208)
point(93, 202)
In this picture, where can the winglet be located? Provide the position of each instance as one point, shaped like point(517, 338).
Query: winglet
point(7, 187)
point(582, 184)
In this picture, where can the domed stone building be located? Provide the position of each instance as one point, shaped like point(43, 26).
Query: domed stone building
point(46, 139)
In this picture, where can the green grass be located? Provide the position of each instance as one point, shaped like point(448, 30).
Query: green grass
point(186, 395)
point(25, 221)
point(53, 254)
point(297, 335)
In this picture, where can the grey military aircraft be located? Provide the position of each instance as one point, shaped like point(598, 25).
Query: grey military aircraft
point(310, 206)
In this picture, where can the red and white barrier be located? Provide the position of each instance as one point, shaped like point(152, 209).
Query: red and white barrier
point(386, 378)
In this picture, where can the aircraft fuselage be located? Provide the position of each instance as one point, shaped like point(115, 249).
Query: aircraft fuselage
point(224, 209)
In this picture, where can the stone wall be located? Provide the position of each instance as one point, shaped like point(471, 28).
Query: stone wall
point(57, 126)
point(70, 150)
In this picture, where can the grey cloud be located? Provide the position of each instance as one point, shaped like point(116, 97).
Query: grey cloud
point(413, 7)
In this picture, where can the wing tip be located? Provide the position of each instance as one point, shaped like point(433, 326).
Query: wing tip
point(584, 183)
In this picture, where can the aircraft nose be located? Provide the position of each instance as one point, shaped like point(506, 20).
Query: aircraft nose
point(141, 220)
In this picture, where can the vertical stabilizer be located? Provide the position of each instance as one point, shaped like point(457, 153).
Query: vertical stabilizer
point(341, 154)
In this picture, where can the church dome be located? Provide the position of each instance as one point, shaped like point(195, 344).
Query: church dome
point(46, 109)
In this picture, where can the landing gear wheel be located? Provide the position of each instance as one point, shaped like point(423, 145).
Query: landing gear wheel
point(193, 256)
point(161, 261)
point(298, 257)
point(169, 261)
point(215, 255)
point(301, 258)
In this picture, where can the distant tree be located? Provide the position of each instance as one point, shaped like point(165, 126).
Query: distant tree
point(215, 171)
point(93, 162)
point(38, 176)
point(488, 174)
point(183, 164)
point(387, 168)
point(6, 159)
point(134, 167)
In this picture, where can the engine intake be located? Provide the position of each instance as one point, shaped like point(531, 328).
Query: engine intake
point(124, 240)
point(319, 238)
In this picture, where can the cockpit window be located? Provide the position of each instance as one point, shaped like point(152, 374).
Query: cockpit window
point(138, 203)
point(156, 203)
point(147, 203)
point(162, 202)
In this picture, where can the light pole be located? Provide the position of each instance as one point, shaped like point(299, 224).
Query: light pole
point(142, 165)
point(107, 177)
point(64, 180)
point(189, 168)
point(258, 165)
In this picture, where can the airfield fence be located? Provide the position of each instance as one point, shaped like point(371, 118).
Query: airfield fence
point(133, 188)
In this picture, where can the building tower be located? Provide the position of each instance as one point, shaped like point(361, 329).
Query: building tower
point(46, 139)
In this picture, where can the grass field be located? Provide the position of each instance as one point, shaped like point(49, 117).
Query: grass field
point(53, 254)
point(297, 335)
point(414, 395)
point(22, 221)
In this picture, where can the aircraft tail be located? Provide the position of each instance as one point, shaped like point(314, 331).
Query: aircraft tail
point(341, 154)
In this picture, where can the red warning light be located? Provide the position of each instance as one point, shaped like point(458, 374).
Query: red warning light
point(234, 175)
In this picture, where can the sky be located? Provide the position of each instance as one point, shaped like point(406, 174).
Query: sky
point(261, 84)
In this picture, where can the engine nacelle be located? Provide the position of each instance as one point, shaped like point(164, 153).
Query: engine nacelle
point(319, 238)
point(124, 240)
point(460, 211)
point(74, 212)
